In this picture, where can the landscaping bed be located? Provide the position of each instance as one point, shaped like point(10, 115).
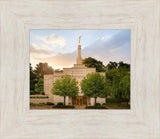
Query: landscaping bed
point(37, 97)
point(95, 107)
point(63, 106)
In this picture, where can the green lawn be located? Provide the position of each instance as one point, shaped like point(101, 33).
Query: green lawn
point(120, 105)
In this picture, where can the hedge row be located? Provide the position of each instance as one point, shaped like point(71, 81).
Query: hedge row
point(63, 106)
point(95, 107)
point(41, 104)
point(33, 97)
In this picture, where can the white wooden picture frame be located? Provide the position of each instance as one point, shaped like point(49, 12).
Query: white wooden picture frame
point(18, 17)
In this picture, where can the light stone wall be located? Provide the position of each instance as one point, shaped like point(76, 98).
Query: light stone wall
point(39, 100)
point(92, 101)
point(102, 73)
point(57, 99)
point(79, 71)
point(48, 83)
point(101, 100)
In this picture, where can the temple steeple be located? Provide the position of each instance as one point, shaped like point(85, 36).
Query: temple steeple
point(79, 58)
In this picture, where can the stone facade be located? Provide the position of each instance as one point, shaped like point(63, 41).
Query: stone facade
point(78, 71)
point(39, 99)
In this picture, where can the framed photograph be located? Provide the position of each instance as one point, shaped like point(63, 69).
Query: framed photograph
point(93, 75)
point(79, 69)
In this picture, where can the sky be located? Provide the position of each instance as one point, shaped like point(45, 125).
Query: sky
point(59, 47)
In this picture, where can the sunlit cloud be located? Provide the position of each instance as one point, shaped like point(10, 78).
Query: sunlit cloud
point(35, 49)
point(60, 60)
point(54, 40)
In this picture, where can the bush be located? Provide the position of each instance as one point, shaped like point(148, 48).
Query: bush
point(31, 104)
point(98, 104)
point(103, 104)
point(35, 104)
point(32, 92)
point(50, 103)
point(113, 100)
point(37, 97)
point(95, 107)
point(63, 106)
point(43, 93)
point(60, 104)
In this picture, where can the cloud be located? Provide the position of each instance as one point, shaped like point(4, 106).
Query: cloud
point(55, 40)
point(35, 49)
point(61, 60)
point(113, 48)
point(106, 38)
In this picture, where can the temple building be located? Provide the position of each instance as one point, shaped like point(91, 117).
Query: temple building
point(78, 71)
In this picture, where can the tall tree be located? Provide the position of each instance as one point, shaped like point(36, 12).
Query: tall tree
point(123, 68)
point(115, 75)
point(123, 65)
point(65, 86)
point(41, 69)
point(32, 79)
point(94, 85)
point(39, 87)
point(91, 62)
point(125, 87)
point(112, 65)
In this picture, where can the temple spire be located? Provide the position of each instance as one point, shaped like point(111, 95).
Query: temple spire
point(79, 39)
point(79, 58)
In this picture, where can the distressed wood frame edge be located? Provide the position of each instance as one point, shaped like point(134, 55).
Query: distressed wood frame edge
point(26, 116)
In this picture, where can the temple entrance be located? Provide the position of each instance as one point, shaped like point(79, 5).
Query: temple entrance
point(79, 100)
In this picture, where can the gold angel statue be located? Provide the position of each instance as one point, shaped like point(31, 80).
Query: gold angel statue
point(79, 39)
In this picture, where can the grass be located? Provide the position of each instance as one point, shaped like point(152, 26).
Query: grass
point(121, 105)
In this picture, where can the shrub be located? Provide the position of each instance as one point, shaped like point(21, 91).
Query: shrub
point(95, 107)
point(35, 104)
point(63, 106)
point(98, 104)
point(50, 103)
point(103, 104)
point(113, 100)
point(59, 104)
point(32, 92)
point(37, 97)
point(43, 93)
point(31, 104)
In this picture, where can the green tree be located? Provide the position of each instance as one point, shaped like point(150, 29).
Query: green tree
point(32, 79)
point(93, 63)
point(125, 88)
point(41, 69)
point(123, 65)
point(123, 68)
point(39, 87)
point(114, 78)
point(94, 85)
point(65, 86)
point(112, 65)
point(116, 75)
